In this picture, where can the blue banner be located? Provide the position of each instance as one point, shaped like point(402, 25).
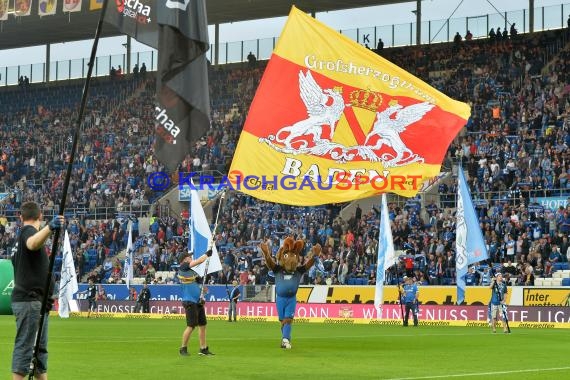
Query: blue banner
point(552, 203)
point(157, 292)
point(205, 192)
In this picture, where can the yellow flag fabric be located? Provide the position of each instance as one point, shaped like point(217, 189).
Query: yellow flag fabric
point(333, 121)
point(95, 4)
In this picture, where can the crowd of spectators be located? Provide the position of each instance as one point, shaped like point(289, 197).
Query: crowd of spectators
point(514, 149)
point(109, 166)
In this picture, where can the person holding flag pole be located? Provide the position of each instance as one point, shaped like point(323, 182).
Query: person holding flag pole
point(30, 262)
point(410, 293)
point(498, 293)
point(192, 301)
point(189, 273)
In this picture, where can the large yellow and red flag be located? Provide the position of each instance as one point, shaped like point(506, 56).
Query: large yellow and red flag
point(332, 122)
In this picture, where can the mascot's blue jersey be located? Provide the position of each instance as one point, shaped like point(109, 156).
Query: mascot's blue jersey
point(286, 284)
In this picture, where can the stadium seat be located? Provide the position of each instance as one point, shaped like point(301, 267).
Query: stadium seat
point(556, 281)
point(561, 266)
point(565, 282)
point(564, 273)
point(538, 281)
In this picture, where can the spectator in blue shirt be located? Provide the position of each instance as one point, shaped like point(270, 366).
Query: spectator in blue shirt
point(485, 277)
point(471, 278)
point(409, 293)
point(498, 294)
point(553, 258)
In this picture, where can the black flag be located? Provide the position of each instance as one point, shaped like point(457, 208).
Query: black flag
point(183, 113)
point(183, 110)
point(136, 18)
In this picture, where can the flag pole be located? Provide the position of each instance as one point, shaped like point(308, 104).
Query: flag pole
point(55, 240)
point(399, 292)
point(503, 306)
point(212, 244)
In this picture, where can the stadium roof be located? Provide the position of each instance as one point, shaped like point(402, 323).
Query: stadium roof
point(64, 27)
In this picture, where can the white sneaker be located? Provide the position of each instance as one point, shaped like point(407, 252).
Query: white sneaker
point(285, 344)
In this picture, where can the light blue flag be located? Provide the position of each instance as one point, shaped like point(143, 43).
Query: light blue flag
point(469, 243)
point(386, 255)
point(201, 236)
point(128, 270)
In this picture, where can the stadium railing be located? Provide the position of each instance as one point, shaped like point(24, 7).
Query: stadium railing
point(433, 31)
point(99, 213)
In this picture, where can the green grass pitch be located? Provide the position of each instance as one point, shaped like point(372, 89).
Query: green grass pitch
point(107, 349)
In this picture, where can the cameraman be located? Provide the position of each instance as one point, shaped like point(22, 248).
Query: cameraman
point(192, 302)
point(91, 297)
point(143, 302)
point(498, 293)
point(31, 264)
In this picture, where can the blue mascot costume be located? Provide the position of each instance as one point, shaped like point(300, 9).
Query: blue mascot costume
point(288, 272)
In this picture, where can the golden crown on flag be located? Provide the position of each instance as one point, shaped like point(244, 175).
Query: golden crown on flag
point(366, 99)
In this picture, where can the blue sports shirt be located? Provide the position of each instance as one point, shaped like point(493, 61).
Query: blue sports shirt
point(189, 283)
point(410, 291)
point(286, 284)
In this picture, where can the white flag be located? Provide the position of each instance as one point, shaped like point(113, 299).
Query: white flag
point(68, 281)
point(128, 270)
point(386, 255)
point(201, 236)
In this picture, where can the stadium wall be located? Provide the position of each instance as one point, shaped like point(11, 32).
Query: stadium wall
point(429, 315)
point(545, 297)
point(355, 295)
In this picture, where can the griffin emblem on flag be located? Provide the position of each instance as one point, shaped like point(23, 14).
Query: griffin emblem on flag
point(325, 108)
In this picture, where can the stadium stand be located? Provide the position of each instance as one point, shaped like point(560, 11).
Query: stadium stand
point(514, 150)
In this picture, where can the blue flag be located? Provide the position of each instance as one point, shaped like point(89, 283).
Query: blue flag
point(201, 236)
point(469, 243)
point(386, 255)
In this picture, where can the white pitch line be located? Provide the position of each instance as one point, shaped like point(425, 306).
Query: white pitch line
point(69, 339)
point(484, 373)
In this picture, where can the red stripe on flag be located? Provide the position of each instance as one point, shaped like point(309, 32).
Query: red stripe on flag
point(354, 125)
